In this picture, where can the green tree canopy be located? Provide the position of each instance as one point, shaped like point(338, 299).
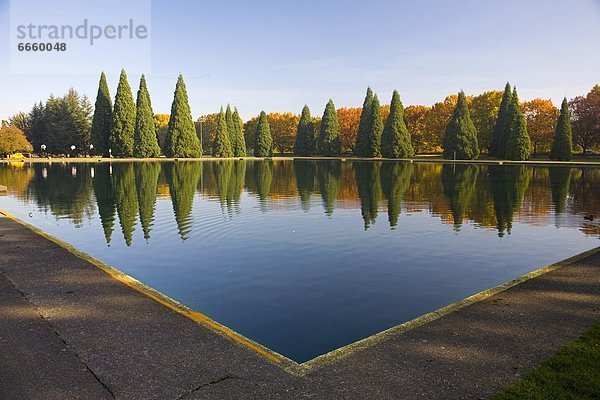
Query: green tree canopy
point(500, 133)
point(102, 119)
point(305, 134)
point(373, 147)
point(145, 144)
point(239, 143)
point(222, 145)
point(263, 142)
point(361, 147)
point(460, 139)
point(562, 146)
point(395, 141)
point(328, 143)
point(123, 120)
point(518, 145)
point(181, 140)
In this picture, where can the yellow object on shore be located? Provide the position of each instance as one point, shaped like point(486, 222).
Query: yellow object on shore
point(17, 156)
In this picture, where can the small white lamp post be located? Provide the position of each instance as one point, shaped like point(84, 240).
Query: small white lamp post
point(91, 149)
point(72, 149)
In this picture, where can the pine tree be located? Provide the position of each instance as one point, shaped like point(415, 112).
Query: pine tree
point(501, 128)
point(102, 118)
point(305, 134)
point(363, 125)
point(145, 143)
point(221, 144)
point(562, 146)
point(460, 139)
point(328, 143)
point(518, 145)
point(181, 140)
point(395, 141)
point(239, 143)
point(263, 141)
point(123, 120)
point(375, 129)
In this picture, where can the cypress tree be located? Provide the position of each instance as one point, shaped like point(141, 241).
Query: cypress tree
point(395, 141)
point(305, 134)
point(230, 127)
point(221, 144)
point(263, 141)
point(102, 118)
point(363, 125)
point(239, 143)
point(145, 144)
point(123, 120)
point(375, 129)
point(501, 128)
point(328, 143)
point(181, 140)
point(518, 145)
point(562, 146)
point(460, 139)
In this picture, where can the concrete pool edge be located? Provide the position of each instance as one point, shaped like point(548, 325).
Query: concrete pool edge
point(275, 358)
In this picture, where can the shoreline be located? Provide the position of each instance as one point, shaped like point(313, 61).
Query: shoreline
point(422, 159)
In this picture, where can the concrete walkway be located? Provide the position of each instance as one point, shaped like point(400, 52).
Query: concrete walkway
point(69, 330)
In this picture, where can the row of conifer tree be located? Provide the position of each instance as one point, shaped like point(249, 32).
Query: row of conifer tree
point(127, 129)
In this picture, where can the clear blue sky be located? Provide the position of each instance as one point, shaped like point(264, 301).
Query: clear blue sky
point(279, 55)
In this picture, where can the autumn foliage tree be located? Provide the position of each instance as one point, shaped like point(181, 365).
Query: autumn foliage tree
point(541, 117)
point(585, 115)
point(349, 120)
point(13, 140)
point(484, 110)
point(283, 130)
point(413, 117)
point(435, 121)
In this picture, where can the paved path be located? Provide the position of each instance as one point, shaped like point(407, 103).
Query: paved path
point(69, 330)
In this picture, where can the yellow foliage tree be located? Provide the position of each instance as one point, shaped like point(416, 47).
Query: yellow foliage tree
point(541, 117)
point(414, 118)
point(13, 140)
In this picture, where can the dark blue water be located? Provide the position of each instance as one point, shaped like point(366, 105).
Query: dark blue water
point(306, 257)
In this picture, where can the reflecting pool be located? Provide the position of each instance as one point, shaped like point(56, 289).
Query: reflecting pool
point(308, 256)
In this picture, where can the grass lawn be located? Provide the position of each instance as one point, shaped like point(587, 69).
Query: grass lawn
point(572, 373)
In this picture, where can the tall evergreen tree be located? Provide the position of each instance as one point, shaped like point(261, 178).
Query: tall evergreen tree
point(239, 143)
point(328, 143)
point(562, 146)
point(375, 129)
point(146, 179)
point(395, 141)
point(263, 141)
point(145, 141)
point(181, 140)
point(221, 145)
point(102, 119)
point(305, 134)
point(364, 125)
point(518, 145)
point(230, 127)
point(501, 128)
point(460, 139)
point(123, 120)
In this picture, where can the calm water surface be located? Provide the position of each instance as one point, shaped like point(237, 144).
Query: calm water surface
point(308, 256)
